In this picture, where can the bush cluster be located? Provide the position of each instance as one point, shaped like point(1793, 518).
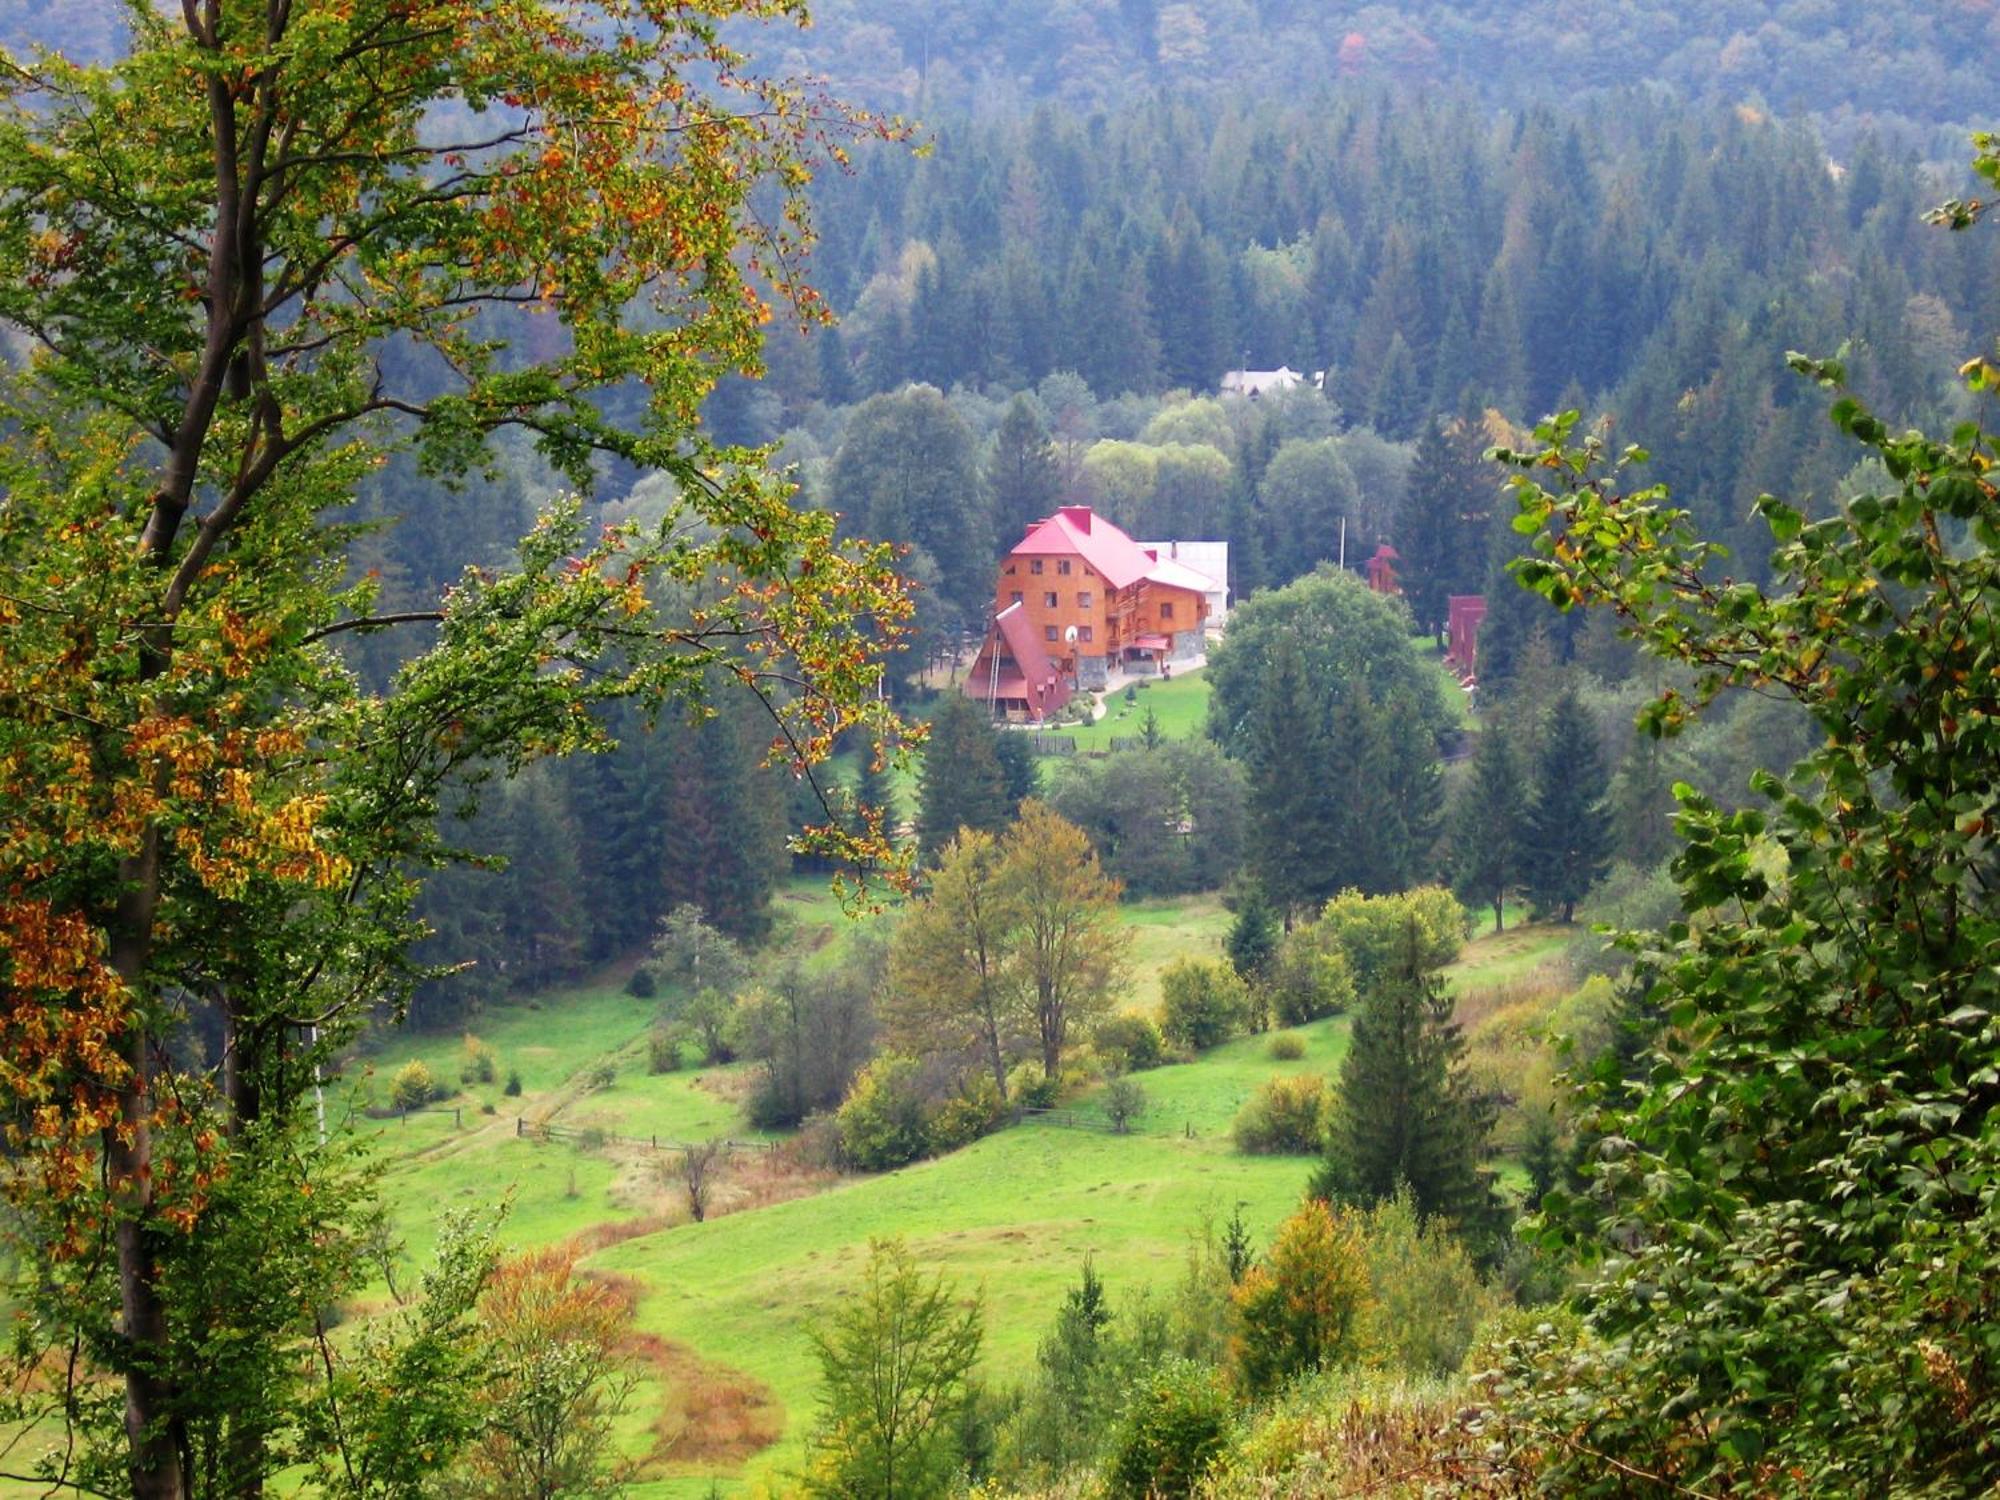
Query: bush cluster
point(413, 1086)
point(478, 1064)
point(1129, 1043)
point(1203, 1004)
point(1285, 1117)
point(890, 1119)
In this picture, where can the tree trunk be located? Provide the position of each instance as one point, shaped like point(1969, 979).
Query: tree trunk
point(155, 1465)
point(1499, 918)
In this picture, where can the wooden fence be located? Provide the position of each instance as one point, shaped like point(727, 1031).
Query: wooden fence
point(1052, 744)
point(589, 1136)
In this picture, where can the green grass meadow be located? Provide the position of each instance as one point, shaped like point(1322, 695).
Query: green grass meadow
point(721, 1310)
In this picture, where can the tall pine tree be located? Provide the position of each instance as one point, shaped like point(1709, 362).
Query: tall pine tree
point(1406, 1113)
point(1487, 824)
point(1022, 475)
point(962, 783)
point(1566, 842)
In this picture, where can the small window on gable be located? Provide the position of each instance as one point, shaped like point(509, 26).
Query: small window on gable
point(1166, 609)
point(1010, 570)
point(1062, 567)
point(1034, 565)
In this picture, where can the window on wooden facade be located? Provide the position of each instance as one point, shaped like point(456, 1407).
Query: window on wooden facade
point(1062, 567)
point(1016, 599)
point(1048, 632)
point(1034, 565)
point(1083, 632)
point(1166, 609)
point(1049, 601)
point(1083, 601)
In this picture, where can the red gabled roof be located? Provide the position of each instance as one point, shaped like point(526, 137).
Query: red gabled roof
point(1035, 678)
point(1075, 531)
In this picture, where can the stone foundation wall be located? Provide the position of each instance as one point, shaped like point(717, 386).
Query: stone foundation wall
point(1091, 673)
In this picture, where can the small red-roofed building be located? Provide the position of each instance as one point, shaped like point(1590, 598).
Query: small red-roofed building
point(1090, 598)
point(1462, 633)
point(1382, 570)
point(1013, 674)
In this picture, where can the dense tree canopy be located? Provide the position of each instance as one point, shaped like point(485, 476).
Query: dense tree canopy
point(263, 250)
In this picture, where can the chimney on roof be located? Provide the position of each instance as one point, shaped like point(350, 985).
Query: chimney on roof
point(1077, 516)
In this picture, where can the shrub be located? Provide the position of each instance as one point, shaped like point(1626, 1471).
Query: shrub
point(1426, 1299)
point(1303, 1309)
point(477, 1064)
point(964, 1118)
point(488, 1108)
point(815, 1146)
point(1203, 1003)
point(882, 1121)
point(1124, 1102)
point(1030, 1089)
point(1176, 1427)
point(513, 1088)
point(1287, 1046)
point(1309, 977)
point(643, 985)
point(1372, 930)
point(663, 1052)
point(601, 1077)
point(413, 1087)
point(1128, 1043)
point(1285, 1117)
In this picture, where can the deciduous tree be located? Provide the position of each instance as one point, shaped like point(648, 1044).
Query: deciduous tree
point(895, 1362)
point(956, 981)
point(1073, 948)
point(263, 249)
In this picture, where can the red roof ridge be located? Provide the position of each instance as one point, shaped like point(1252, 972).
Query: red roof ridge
point(1077, 531)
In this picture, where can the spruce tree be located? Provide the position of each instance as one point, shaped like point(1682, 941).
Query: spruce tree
point(1406, 1113)
point(1423, 531)
point(1487, 824)
point(1019, 770)
point(875, 788)
point(1023, 474)
point(1293, 821)
point(1566, 840)
point(1252, 943)
point(962, 783)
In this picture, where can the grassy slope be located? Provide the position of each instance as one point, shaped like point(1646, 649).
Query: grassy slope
point(1012, 1214)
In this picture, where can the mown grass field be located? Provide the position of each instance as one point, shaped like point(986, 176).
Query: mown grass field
point(721, 1310)
point(1180, 704)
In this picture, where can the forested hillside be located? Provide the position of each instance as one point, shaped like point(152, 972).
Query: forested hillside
point(505, 508)
point(1839, 59)
point(1907, 65)
point(1069, 290)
